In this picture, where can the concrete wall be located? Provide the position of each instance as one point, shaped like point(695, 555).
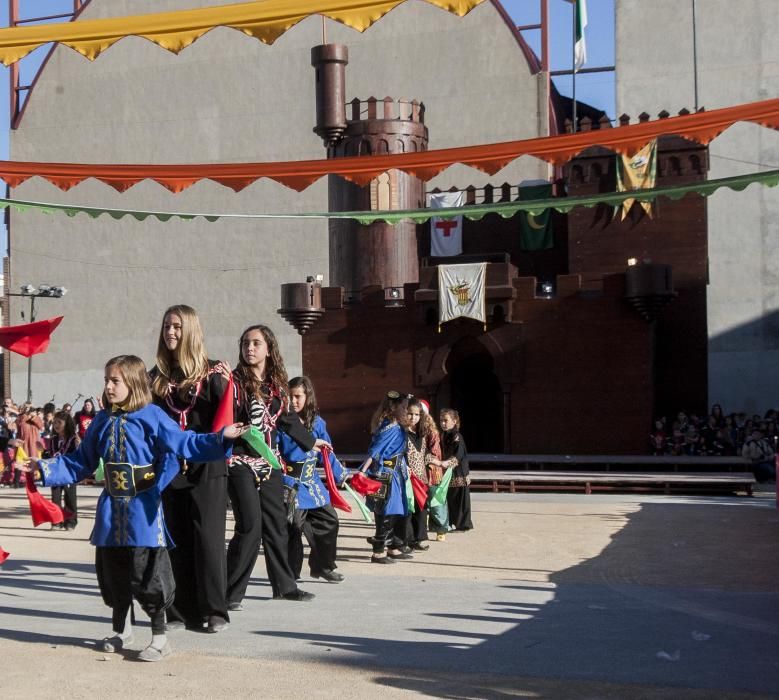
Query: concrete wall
point(738, 61)
point(227, 98)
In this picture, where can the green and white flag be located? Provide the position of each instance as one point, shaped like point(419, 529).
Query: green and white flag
point(580, 22)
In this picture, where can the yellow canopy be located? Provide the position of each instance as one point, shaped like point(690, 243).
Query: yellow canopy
point(265, 20)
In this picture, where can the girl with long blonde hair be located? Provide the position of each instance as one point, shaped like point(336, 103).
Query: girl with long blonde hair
point(189, 388)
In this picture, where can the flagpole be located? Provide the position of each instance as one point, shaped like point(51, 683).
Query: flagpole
point(573, 61)
point(694, 57)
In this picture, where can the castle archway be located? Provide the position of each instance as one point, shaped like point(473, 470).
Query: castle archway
point(472, 387)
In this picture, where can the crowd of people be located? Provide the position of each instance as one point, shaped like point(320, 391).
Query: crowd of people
point(172, 461)
point(720, 435)
point(27, 431)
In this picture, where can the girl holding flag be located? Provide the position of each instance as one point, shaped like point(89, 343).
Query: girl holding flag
point(138, 444)
point(386, 463)
point(459, 494)
point(255, 486)
point(64, 442)
point(314, 515)
point(424, 446)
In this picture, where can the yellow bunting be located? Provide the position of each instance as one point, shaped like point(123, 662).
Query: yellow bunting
point(174, 31)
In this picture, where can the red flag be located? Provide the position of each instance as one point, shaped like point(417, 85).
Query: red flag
point(364, 485)
point(41, 509)
point(3, 555)
point(29, 338)
point(224, 412)
point(420, 491)
point(336, 498)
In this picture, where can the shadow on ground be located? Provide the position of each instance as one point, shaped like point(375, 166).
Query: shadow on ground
point(676, 600)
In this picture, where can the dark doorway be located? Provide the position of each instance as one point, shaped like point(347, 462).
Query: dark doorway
point(474, 391)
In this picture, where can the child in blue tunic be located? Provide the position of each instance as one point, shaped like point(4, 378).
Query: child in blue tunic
point(139, 445)
point(314, 515)
point(387, 463)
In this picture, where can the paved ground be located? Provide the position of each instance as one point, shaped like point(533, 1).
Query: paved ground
point(552, 596)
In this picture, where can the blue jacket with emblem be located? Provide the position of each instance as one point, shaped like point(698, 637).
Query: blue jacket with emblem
point(311, 490)
point(388, 444)
point(140, 451)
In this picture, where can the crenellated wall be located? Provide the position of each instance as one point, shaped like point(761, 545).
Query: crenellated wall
point(575, 371)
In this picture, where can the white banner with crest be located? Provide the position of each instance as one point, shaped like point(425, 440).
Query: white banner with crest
point(462, 292)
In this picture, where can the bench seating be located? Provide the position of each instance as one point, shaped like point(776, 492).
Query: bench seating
point(603, 473)
point(516, 481)
point(608, 462)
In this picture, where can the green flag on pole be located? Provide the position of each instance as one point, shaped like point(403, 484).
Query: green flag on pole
point(535, 231)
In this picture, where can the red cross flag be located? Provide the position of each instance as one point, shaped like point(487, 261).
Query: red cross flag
point(446, 235)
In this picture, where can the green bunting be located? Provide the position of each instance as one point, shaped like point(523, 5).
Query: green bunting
point(533, 207)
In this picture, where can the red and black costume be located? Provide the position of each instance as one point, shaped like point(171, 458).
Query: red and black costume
point(257, 495)
point(195, 506)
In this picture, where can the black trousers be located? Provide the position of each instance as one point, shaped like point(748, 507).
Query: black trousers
point(143, 573)
point(260, 516)
point(320, 528)
point(417, 525)
point(459, 501)
point(195, 516)
point(390, 532)
point(71, 501)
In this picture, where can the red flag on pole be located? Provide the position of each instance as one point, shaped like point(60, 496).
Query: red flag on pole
point(336, 498)
point(224, 412)
point(364, 485)
point(3, 555)
point(420, 491)
point(42, 509)
point(29, 338)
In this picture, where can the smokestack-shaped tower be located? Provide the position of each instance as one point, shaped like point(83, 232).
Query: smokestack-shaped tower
point(330, 61)
point(378, 254)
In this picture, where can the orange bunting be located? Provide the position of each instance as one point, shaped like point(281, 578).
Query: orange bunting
point(701, 127)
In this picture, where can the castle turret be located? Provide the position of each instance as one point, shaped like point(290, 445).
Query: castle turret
point(378, 254)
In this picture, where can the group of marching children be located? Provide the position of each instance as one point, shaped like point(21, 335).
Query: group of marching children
point(171, 453)
point(419, 477)
point(175, 441)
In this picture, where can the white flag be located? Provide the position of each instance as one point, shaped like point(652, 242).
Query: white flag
point(461, 292)
point(579, 24)
point(446, 235)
